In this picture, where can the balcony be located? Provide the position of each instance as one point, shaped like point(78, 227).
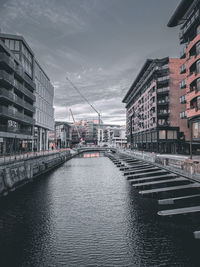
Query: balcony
point(29, 81)
point(5, 59)
point(11, 97)
point(6, 78)
point(163, 80)
point(4, 128)
point(163, 113)
point(16, 115)
point(19, 73)
point(163, 102)
point(23, 90)
point(188, 25)
point(164, 90)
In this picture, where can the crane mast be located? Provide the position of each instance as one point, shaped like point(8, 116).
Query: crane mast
point(79, 136)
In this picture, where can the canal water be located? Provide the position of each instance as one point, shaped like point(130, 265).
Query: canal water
point(86, 213)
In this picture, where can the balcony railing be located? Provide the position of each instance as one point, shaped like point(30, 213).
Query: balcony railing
point(189, 24)
point(14, 98)
point(6, 59)
point(4, 128)
point(23, 90)
point(163, 102)
point(163, 113)
point(9, 79)
point(16, 115)
point(163, 90)
point(29, 81)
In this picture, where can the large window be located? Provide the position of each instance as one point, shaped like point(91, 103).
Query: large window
point(162, 134)
point(172, 135)
point(196, 130)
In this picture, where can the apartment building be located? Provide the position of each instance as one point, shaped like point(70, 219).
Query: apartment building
point(155, 108)
point(17, 97)
point(187, 16)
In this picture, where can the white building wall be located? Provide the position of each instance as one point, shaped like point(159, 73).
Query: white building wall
point(44, 114)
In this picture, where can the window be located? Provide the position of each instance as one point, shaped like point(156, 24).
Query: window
point(198, 48)
point(12, 45)
point(183, 115)
point(198, 29)
point(162, 134)
point(198, 66)
point(171, 135)
point(17, 45)
point(183, 84)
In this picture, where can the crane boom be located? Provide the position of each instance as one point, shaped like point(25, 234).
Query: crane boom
point(75, 124)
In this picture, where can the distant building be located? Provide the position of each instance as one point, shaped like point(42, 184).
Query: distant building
point(32, 95)
point(155, 104)
point(17, 99)
point(187, 15)
point(61, 136)
point(112, 135)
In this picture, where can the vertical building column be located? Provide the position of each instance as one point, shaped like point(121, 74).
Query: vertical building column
point(40, 141)
point(47, 137)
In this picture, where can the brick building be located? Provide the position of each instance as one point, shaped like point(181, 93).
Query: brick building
point(156, 107)
point(187, 15)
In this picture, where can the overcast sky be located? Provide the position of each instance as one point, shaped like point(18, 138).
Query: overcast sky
point(99, 44)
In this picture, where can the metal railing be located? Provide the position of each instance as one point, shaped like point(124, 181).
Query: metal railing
point(13, 157)
point(11, 113)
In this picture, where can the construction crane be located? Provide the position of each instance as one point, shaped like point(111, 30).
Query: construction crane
point(79, 136)
point(77, 90)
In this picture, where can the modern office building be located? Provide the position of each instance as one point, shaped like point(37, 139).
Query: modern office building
point(155, 104)
point(17, 97)
point(37, 96)
point(187, 16)
point(44, 115)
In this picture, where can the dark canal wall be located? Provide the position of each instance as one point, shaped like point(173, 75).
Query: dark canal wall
point(18, 173)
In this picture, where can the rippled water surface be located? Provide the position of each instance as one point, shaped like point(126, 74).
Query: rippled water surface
point(85, 213)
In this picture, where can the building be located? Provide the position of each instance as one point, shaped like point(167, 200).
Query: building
point(61, 136)
point(187, 16)
point(38, 96)
point(17, 97)
point(112, 135)
point(44, 115)
point(156, 107)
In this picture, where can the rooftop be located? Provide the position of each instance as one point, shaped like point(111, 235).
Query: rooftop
point(180, 11)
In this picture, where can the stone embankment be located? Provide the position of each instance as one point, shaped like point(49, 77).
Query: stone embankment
point(177, 164)
point(18, 173)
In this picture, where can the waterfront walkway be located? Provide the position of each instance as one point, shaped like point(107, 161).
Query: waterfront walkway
point(29, 155)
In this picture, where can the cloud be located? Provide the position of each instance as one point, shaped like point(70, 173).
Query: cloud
point(99, 44)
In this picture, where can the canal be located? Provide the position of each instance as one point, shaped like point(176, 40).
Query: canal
point(86, 213)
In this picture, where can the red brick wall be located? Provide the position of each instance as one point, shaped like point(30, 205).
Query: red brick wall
point(174, 96)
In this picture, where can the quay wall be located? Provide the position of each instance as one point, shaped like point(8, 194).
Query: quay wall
point(184, 167)
point(16, 174)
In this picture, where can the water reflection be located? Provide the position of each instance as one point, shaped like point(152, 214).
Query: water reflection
point(85, 213)
point(91, 155)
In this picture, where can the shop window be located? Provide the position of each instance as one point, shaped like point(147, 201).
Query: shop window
point(162, 134)
point(171, 135)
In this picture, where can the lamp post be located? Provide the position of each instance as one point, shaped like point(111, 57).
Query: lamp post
point(190, 127)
